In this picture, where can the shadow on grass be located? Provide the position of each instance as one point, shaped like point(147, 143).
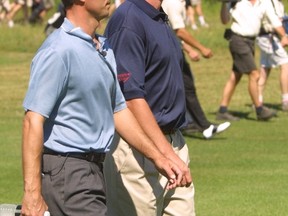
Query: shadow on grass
point(199, 136)
point(194, 135)
point(276, 107)
point(239, 114)
point(248, 116)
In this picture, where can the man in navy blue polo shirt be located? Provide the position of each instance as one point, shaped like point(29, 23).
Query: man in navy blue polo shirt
point(149, 64)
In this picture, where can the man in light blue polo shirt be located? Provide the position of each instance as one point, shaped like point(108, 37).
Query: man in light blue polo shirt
point(72, 103)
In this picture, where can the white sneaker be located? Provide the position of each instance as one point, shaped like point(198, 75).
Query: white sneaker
point(194, 27)
point(214, 129)
point(205, 25)
point(222, 127)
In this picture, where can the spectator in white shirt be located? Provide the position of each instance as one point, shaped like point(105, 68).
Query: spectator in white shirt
point(247, 17)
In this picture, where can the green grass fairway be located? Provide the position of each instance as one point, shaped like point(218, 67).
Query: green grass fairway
point(241, 172)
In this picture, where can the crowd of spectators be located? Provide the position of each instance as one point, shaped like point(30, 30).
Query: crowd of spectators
point(34, 11)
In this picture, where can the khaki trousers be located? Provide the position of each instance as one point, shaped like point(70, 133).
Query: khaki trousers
point(135, 188)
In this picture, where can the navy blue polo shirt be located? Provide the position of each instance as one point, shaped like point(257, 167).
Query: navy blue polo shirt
point(149, 60)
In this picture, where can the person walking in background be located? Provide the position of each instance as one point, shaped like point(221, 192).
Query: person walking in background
point(40, 9)
point(4, 9)
point(246, 22)
point(273, 54)
point(175, 10)
point(192, 7)
point(190, 19)
point(15, 7)
point(56, 20)
point(72, 103)
point(149, 64)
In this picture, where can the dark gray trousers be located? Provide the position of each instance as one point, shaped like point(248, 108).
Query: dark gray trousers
point(73, 186)
point(193, 105)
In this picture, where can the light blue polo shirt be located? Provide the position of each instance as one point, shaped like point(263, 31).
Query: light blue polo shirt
point(75, 87)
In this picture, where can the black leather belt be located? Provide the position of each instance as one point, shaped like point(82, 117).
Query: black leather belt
point(264, 32)
point(90, 156)
point(168, 131)
point(247, 37)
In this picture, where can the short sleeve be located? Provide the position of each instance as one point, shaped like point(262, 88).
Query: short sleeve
point(129, 51)
point(176, 14)
point(47, 81)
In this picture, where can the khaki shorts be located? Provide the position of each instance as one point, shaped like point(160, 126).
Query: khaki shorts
point(5, 5)
point(28, 3)
point(272, 52)
point(243, 51)
point(195, 2)
point(48, 4)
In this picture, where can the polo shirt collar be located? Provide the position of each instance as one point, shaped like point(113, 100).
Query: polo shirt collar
point(69, 28)
point(150, 10)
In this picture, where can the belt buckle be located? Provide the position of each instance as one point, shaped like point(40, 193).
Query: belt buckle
point(91, 157)
point(95, 157)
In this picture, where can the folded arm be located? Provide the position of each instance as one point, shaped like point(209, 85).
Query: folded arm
point(145, 118)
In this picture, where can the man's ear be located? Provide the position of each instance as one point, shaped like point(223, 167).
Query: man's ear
point(79, 2)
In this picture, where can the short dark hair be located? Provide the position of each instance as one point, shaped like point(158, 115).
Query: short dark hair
point(67, 3)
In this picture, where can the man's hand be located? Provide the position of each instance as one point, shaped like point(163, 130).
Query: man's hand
point(284, 41)
point(206, 52)
point(194, 55)
point(186, 175)
point(186, 179)
point(170, 170)
point(33, 205)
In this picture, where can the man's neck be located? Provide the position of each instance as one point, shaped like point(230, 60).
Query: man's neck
point(155, 3)
point(88, 25)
